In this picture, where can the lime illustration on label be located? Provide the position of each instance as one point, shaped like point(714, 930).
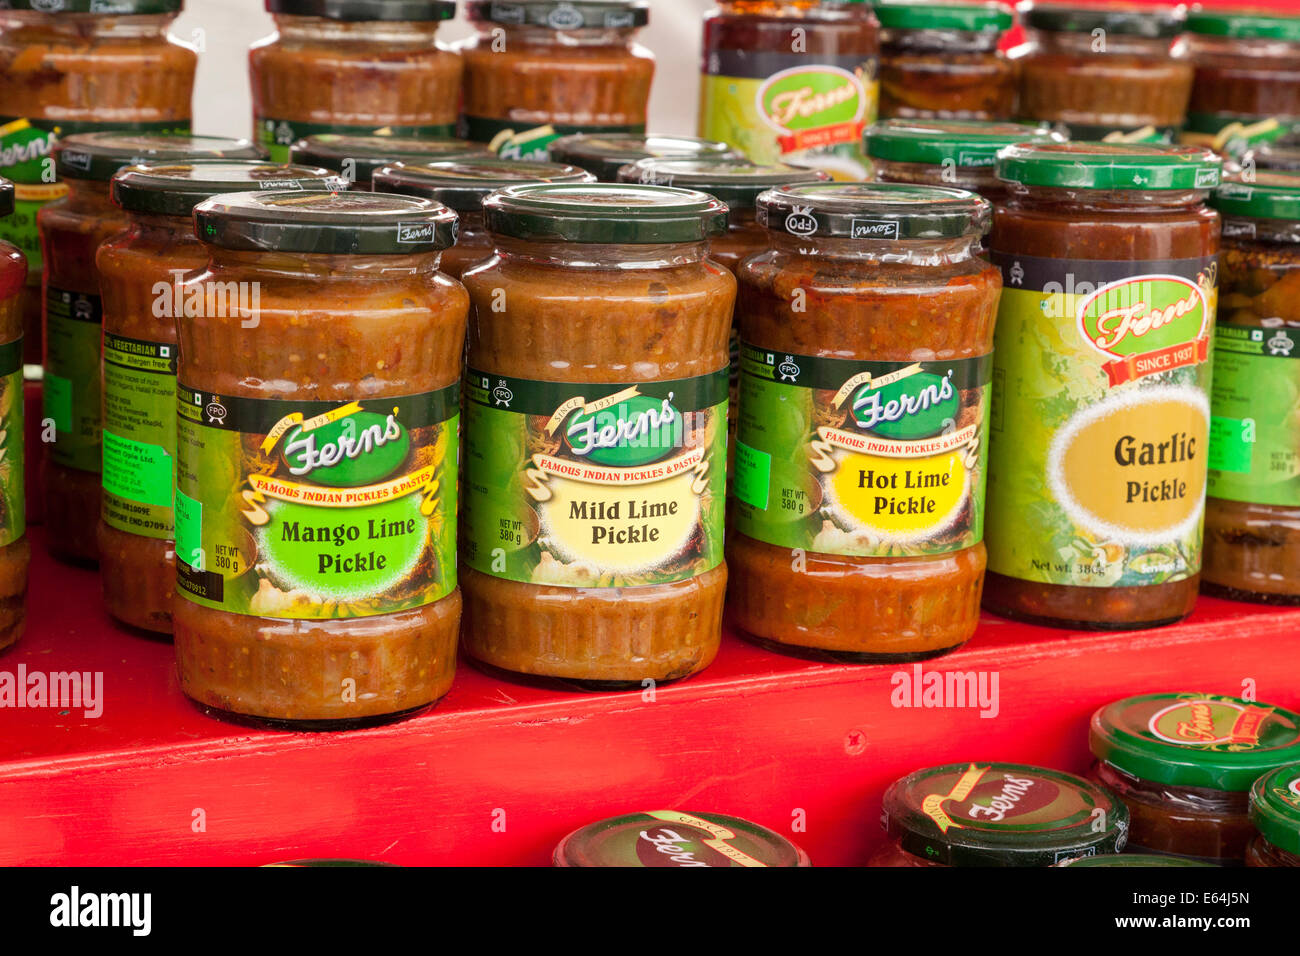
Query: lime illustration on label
point(316, 510)
point(861, 458)
point(277, 135)
point(594, 485)
point(1099, 440)
point(513, 140)
point(139, 434)
point(13, 512)
point(71, 391)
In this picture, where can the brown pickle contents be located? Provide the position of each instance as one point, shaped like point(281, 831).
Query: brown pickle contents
point(1275, 812)
point(865, 333)
point(595, 435)
point(15, 552)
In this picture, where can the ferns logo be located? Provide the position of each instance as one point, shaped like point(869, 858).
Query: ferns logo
point(634, 432)
point(811, 97)
point(1142, 314)
point(363, 448)
point(919, 406)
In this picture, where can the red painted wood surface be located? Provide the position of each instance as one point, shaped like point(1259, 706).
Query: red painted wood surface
point(758, 735)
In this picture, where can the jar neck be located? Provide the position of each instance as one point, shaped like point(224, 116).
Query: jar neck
point(313, 266)
point(1279, 231)
point(938, 41)
point(599, 256)
point(26, 26)
point(172, 229)
point(511, 36)
point(1262, 48)
point(1029, 198)
point(89, 195)
point(323, 30)
point(1196, 799)
point(927, 252)
point(979, 179)
point(1103, 43)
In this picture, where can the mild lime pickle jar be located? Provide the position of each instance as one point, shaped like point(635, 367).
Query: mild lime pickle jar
point(15, 551)
point(1184, 764)
point(1101, 419)
point(1275, 811)
point(316, 487)
point(358, 158)
point(672, 838)
point(858, 495)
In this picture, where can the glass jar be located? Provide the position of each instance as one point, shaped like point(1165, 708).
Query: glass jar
point(15, 551)
point(359, 68)
point(1141, 860)
point(604, 155)
point(316, 467)
point(71, 230)
point(540, 70)
point(671, 838)
point(462, 186)
point(1283, 156)
point(1247, 86)
point(959, 153)
point(941, 61)
point(156, 251)
point(1097, 457)
point(858, 496)
point(1252, 513)
point(997, 814)
point(1184, 763)
point(595, 435)
point(79, 70)
point(1275, 811)
point(357, 158)
point(1105, 73)
point(792, 81)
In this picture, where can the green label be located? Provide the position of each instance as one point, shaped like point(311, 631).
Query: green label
point(511, 141)
point(316, 510)
point(1232, 134)
point(594, 485)
point(13, 517)
point(1099, 442)
point(861, 458)
point(139, 435)
point(277, 135)
point(1255, 433)
point(1124, 134)
point(72, 386)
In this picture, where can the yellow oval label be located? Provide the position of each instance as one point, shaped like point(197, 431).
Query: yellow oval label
point(903, 498)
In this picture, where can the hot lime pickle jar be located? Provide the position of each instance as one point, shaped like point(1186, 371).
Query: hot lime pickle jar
point(1275, 811)
point(672, 838)
point(15, 551)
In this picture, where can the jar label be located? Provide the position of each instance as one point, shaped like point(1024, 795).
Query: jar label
point(277, 135)
point(71, 389)
point(316, 510)
point(510, 140)
point(594, 485)
point(1232, 134)
point(869, 459)
point(1216, 723)
point(1099, 435)
point(1128, 134)
point(139, 435)
point(13, 510)
point(1004, 800)
point(791, 108)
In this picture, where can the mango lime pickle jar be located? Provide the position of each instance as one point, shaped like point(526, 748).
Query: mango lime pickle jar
point(1099, 442)
point(72, 230)
point(1116, 72)
point(141, 274)
point(79, 68)
point(997, 814)
point(462, 186)
point(792, 81)
point(1275, 811)
point(15, 551)
point(676, 839)
point(540, 70)
point(604, 155)
point(941, 61)
point(858, 490)
point(1184, 763)
point(358, 158)
point(315, 503)
point(595, 435)
point(358, 67)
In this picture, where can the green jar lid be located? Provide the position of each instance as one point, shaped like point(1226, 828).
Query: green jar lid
point(6, 197)
point(604, 154)
point(1002, 814)
point(873, 211)
point(968, 144)
point(1283, 156)
point(358, 10)
point(604, 213)
point(968, 17)
point(98, 156)
point(114, 7)
point(1110, 166)
point(1275, 807)
point(462, 185)
point(358, 157)
point(737, 182)
point(174, 189)
point(1194, 740)
point(1244, 24)
point(1122, 20)
point(1272, 194)
point(561, 15)
point(344, 223)
point(672, 838)
point(1133, 859)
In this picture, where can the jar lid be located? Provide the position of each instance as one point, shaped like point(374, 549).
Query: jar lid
point(970, 17)
point(673, 838)
point(1194, 740)
point(345, 223)
point(737, 182)
point(1275, 807)
point(604, 212)
point(1122, 20)
point(967, 144)
point(574, 15)
point(6, 197)
point(1133, 859)
point(98, 156)
point(604, 154)
point(174, 189)
point(392, 10)
point(873, 211)
point(1272, 194)
point(116, 7)
point(358, 157)
point(1244, 24)
point(1110, 166)
point(1002, 814)
point(462, 185)
point(1283, 156)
